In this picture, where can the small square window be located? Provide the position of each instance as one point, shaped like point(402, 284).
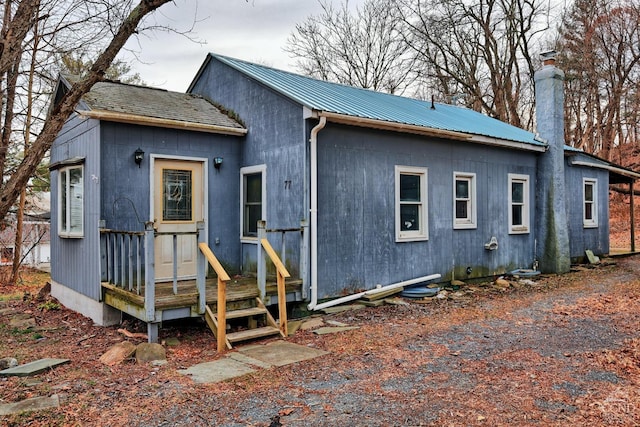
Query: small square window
point(518, 204)
point(590, 203)
point(71, 201)
point(411, 203)
point(464, 200)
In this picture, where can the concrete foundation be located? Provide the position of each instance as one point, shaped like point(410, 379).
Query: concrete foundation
point(100, 313)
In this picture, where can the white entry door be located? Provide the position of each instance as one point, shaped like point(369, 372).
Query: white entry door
point(178, 205)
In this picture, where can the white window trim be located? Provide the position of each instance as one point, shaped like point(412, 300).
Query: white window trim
point(471, 222)
point(248, 170)
point(67, 213)
point(524, 228)
point(593, 222)
point(423, 232)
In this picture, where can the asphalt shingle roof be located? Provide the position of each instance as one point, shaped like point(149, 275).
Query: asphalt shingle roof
point(351, 101)
point(157, 103)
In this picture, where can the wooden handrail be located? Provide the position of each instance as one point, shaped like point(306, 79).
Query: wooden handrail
point(274, 258)
point(221, 304)
point(282, 295)
point(222, 274)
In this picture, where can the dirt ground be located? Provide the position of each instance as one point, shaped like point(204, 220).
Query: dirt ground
point(564, 350)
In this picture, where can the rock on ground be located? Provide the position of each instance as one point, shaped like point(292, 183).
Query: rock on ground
point(148, 352)
point(8, 362)
point(118, 353)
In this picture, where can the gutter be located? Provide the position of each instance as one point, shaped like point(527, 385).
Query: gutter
point(165, 123)
point(437, 133)
point(394, 126)
point(313, 148)
point(610, 168)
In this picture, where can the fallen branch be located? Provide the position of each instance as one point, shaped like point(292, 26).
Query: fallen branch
point(128, 334)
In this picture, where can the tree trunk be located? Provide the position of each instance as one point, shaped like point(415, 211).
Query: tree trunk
point(61, 112)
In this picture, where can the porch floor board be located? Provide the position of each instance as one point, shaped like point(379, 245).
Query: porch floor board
point(187, 296)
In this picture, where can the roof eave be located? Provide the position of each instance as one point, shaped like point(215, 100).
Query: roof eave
point(422, 130)
point(199, 73)
point(609, 167)
point(159, 122)
point(518, 145)
point(394, 126)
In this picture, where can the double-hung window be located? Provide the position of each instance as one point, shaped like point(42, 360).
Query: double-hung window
point(253, 199)
point(590, 203)
point(518, 204)
point(71, 201)
point(411, 203)
point(464, 200)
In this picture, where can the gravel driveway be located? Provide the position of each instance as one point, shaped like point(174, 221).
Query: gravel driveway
point(563, 350)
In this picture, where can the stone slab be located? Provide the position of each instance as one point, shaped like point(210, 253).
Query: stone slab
point(217, 371)
point(22, 321)
point(34, 367)
point(591, 257)
point(374, 303)
point(32, 404)
point(311, 324)
point(249, 360)
point(281, 353)
point(336, 323)
point(342, 308)
point(333, 329)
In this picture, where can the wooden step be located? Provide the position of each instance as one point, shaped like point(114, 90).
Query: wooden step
point(246, 312)
point(250, 334)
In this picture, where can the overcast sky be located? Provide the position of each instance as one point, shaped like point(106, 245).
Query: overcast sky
point(253, 30)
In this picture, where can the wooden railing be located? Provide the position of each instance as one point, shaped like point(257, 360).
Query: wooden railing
point(223, 278)
point(127, 262)
point(282, 232)
point(282, 274)
point(123, 258)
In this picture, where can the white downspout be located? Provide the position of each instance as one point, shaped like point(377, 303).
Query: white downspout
point(376, 291)
point(313, 148)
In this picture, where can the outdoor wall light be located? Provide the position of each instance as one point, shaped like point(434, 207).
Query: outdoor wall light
point(217, 162)
point(138, 156)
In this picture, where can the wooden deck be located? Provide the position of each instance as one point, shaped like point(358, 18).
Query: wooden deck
point(238, 290)
point(621, 252)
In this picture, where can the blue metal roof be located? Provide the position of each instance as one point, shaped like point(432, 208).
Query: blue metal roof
point(356, 102)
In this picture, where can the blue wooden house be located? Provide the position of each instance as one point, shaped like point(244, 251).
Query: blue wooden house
point(355, 190)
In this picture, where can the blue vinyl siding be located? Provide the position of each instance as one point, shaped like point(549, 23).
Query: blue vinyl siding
point(357, 247)
point(125, 195)
point(75, 262)
point(581, 238)
point(275, 138)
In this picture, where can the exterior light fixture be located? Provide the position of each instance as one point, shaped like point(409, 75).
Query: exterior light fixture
point(217, 162)
point(138, 156)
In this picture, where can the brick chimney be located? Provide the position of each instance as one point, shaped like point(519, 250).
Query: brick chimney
point(551, 213)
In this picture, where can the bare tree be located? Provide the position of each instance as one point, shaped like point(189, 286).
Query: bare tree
point(478, 51)
point(362, 48)
point(73, 19)
point(600, 46)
